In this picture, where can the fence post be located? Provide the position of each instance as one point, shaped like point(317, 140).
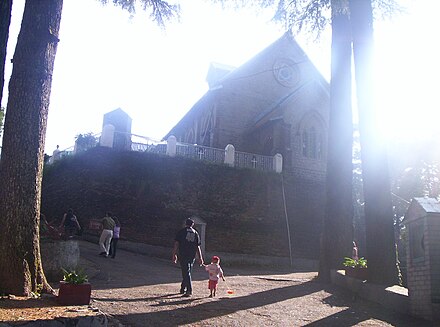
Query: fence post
point(230, 155)
point(278, 163)
point(107, 136)
point(171, 146)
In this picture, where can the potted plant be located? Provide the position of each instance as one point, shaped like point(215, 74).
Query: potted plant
point(74, 288)
point(356, 268)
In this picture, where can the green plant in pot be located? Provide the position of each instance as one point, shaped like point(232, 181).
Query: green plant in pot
point(74, 288)
point(355, 263)
point(356, 268)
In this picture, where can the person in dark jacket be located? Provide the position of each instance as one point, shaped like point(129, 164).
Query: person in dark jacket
point(186, 247)
point(70, 224)
point(115, 238)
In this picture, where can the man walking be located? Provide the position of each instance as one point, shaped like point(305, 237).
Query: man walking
point(186, 246)
point(108, 224)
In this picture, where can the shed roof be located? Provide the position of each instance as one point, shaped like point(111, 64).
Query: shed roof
point(422, 207)
point(430, 205)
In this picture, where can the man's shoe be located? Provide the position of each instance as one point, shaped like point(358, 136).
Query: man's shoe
point(182, 291)
point(103, 253)
point(186, 295)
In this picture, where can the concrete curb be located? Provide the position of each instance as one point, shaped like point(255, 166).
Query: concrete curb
point(393, 297)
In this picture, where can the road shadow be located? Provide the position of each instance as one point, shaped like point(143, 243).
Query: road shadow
point(348, 317)
point(355, 313)
point(223, 306)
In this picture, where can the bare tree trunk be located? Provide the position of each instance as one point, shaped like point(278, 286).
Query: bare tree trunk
point(380, 241)
point(21, 163)
point(338, 222)
point(5, 21)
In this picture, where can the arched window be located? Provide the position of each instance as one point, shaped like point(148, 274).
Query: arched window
point(311, 143)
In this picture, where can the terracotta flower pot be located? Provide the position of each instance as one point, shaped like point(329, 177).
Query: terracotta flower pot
point(358, 273)
point(74, 294)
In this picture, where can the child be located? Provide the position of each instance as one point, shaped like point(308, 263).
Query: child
point(215, 272)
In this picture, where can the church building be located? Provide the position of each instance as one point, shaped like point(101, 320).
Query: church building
point(277, 102)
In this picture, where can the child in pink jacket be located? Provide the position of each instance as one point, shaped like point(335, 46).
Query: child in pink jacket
point(215, 272)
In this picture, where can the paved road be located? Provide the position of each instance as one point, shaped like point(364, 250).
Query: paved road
point(139, 290)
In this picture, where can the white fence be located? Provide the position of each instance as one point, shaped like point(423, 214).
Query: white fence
point(223, 156)
point(172, 148)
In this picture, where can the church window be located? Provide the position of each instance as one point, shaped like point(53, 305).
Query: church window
point(311, 143)
point(286, 72)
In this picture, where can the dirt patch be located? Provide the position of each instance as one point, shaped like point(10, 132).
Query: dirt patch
point(23, 309)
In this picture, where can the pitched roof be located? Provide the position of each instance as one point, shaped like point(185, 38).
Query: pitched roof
point(224, 74)
point(429, 205)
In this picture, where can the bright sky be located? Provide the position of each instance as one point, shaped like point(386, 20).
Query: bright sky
point(106, 60)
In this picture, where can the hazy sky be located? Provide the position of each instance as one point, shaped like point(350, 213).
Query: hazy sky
point(106, 60)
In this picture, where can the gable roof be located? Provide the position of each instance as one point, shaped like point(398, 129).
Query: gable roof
point(248, 69)
point(421, 207)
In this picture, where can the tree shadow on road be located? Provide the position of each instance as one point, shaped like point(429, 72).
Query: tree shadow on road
point(221, 307)
point(348, 317)
point(357, 312)
point(354, 314)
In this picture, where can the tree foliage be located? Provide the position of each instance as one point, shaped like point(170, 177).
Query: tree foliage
point(159, 11)
point(84, 142)
point(310, 16)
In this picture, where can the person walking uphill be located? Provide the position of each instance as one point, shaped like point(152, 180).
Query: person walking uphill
point(115, 238)
point(186, 246)
point(108, 224)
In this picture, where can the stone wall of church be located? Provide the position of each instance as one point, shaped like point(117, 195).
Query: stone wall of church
point(152, 195)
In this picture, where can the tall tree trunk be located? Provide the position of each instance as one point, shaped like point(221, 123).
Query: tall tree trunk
point(338, 222)
point(380, 241)
point(21, 163)
point(5, 21)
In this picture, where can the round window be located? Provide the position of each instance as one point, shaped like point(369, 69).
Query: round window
point(286, 72)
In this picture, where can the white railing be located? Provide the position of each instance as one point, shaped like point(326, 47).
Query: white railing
point(154, 148)
point(200, 152)
point(255, 161)
point(172, 148)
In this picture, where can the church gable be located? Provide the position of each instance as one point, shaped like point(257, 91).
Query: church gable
point(263, 106)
